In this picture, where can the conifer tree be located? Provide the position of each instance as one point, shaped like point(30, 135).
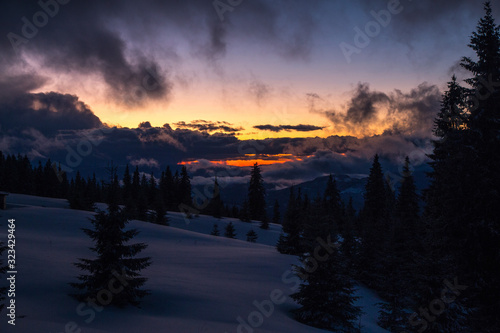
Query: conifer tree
point(333, 203)
point(244, 212)
point(373, 227)
point(160, 211)
point(115, 257)
point(251, 236)
point(326, 294)
point(276, 212)
point(257, 195)
point(479, 252)
point(184, 190)
point(215, 206)
point(229, 231)
point(290, 241)
point(403, 248)
point(215, 230)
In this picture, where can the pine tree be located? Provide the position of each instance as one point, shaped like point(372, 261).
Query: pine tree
point(276, 213)
point(251, 236)
point(215, 230)
point(333, 203)
point(446, 209)
point(326, 294)
point(184, 190)
point(479, 253)
point(290, 241)
point(244, 213)
point(229, 231)
point(215, 206)
point(127, 184)
point(374, 227)
point(257, 195)
point(403, 248)
point(160, 211)
point(115, 258)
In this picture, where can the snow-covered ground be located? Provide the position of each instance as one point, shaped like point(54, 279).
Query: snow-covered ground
point(198, 283)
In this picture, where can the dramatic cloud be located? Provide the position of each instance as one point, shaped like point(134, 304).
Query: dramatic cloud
point(371, 112)
point(279, 128)
point(131, 46)
point(47, 113)
point(209, 126)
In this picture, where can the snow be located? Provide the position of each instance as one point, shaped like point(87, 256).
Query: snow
point(199, 283)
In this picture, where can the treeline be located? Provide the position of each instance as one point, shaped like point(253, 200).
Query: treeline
point(18, 175)
point(436, 269)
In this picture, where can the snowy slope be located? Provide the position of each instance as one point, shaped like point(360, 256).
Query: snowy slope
point(199, 283)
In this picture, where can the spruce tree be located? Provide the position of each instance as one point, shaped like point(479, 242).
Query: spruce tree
point(447, 201)
point(251, 236)
point(276, 212)
point(326, 293)
point(160, 211)
point(403, 248)
point(215, 206)
point(333, 203)
point(215, 230)
point(115, 259)
point(290, 241)
point(374, 226)
point(480, 251)
point(184, 190)
point(244, 213)
point(229, 230)
point(257, 195)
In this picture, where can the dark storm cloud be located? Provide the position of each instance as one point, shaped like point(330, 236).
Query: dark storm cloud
point(410, 113)
point(47, 113)
point(208, 126)
point(279, 128)
point(122, 41)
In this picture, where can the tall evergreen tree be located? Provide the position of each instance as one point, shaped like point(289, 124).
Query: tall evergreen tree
point(326, 295)
point(480, 250)
point(215, 205)
point(114, 257)
point(290, 241)
point(403, 248)
point(257, 195)
point(333, 204)
point(184, 190)
point(276, 212)
point(374, 227)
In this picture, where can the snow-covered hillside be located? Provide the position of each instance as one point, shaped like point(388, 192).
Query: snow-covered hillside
point(199, 283)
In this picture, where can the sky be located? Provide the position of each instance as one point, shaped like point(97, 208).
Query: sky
point(187, 75)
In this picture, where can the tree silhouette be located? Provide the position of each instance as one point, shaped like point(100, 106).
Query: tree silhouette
point(114, 258)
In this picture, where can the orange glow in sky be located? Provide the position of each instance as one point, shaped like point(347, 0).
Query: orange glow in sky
point(250, 160)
